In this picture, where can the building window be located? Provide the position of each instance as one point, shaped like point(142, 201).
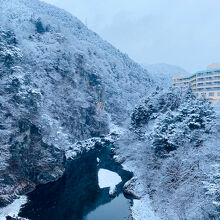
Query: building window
point(203, 94)
point(218, 93)
point(200, 79)
point(211, 94)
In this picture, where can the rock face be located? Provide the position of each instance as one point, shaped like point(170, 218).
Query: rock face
point(59, 83)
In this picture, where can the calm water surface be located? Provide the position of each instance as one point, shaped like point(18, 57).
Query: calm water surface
point(77, 196)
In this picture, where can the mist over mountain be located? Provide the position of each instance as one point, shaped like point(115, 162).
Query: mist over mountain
point(64, 92)
point(162, 73)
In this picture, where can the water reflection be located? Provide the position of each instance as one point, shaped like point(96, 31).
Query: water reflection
point(117, 209)
point(77, 193)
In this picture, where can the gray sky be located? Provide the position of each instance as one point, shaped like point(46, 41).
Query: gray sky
point(185, 33)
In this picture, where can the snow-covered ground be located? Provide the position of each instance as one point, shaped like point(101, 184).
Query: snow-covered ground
point(12, 209)
point(108, 178)
point(142, 209)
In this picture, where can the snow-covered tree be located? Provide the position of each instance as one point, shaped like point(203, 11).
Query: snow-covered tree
point(176, 154)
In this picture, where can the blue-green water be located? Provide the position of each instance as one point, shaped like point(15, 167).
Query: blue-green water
point(117, 209)
point(77, 196)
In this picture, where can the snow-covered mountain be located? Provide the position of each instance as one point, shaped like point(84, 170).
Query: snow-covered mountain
point(162, 73)
point(59, 83)
point(173, 151)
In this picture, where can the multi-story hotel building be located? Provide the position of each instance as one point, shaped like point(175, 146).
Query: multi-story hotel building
point(204, 83)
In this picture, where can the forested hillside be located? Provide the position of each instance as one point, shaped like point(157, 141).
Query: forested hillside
point(172, 146)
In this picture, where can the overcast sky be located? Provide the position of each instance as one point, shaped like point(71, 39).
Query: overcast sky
point(185, 33)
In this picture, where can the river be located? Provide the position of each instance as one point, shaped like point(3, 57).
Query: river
point(77, 195)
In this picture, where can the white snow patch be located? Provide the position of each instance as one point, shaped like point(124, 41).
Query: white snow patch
point(141, 209)
point(116, 129)
point(112, 191)
point(98, 160)
point(12, 209)
point(108, 178)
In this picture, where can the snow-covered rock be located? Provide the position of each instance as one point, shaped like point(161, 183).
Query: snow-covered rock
point(109, 179)
point(13, 209)
point(98, 160)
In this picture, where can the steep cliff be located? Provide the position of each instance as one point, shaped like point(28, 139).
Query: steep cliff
point(59, 83)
